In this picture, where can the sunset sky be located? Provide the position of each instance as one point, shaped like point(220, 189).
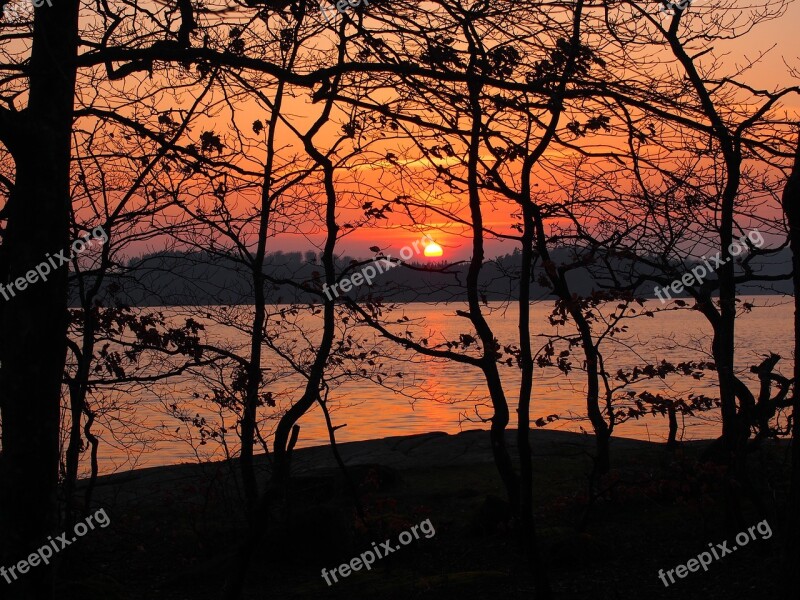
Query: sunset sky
point(777, 38)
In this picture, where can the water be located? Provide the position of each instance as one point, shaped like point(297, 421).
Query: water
point(431, 395)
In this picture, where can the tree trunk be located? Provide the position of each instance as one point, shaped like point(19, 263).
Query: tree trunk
point(500, 418)
point(287, 430)
point(250, 409)
point(672, 440)
point(530, 544)
point(78, 390)
point(33, 323)
point(791, 207)
point(250, 412)
point(602, 431)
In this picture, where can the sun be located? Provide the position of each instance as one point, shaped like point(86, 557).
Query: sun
point(433, 249)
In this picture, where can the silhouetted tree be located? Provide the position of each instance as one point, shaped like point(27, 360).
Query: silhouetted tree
point(791, 208)
point(33, 323)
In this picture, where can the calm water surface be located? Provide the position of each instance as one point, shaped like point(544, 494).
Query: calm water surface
point(435, 395)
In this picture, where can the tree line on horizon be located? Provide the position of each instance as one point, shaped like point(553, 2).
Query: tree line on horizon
point(198, 279)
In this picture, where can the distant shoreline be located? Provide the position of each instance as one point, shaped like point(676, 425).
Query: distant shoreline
point(426, 450)
point(763, 293)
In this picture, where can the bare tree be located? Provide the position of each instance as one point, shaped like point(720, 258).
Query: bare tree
point(33, 328)
point(791, 208)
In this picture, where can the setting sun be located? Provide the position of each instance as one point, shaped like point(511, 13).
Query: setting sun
point(433, 249)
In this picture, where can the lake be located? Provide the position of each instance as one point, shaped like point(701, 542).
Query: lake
point(434, 395)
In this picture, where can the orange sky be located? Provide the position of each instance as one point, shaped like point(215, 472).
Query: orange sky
point(771, 72)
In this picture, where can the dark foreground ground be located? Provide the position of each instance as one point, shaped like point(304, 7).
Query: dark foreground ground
point(174, 529)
